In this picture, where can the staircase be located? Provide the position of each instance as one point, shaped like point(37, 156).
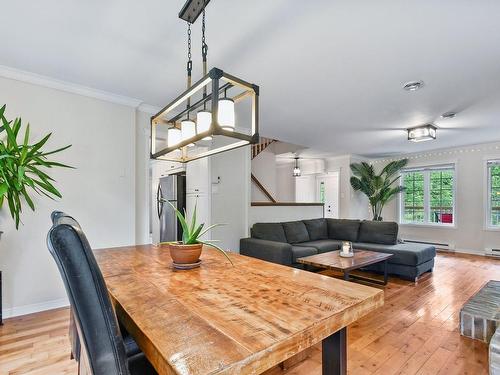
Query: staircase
point(261, 146)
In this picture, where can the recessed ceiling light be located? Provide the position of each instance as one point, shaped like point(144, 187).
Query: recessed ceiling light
point(450, 114)
point(413, 85)
point(422, 133)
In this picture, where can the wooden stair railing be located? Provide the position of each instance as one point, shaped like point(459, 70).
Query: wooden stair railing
point(261, 146)
point(263, 189)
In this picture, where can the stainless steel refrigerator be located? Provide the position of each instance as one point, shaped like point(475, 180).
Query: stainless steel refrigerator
point(171, 188)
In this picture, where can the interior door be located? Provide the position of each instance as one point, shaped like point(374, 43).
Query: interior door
point(328, 193)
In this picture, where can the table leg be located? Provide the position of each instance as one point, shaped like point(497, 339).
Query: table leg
point(335, 353)
point(346, 275)
point(385, 272)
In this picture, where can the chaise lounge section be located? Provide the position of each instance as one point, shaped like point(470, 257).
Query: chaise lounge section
point(285, 242)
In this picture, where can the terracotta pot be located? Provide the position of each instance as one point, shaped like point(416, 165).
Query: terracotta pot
point(185, 254)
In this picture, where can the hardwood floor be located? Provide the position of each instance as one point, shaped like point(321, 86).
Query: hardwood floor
point(415, 332)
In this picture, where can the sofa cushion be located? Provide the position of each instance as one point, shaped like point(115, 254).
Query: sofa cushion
point(317, 229)
point(410, 254)
point(323, 246)
point(343, 229)
point(302, 251)
point(295, 231)
point(269, 232)
point(382, 232)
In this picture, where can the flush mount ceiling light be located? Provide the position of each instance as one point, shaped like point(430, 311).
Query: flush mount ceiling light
point(296, 169)
point(413, 85)
point(422, 133)
point(447, 115)
point(210, 114)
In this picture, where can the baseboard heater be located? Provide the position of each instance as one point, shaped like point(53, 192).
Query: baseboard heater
point(492, 252)
point(440, 245)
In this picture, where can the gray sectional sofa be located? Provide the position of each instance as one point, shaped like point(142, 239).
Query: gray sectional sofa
point(284, 242)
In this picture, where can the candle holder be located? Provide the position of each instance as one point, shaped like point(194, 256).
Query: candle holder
point(346, 251)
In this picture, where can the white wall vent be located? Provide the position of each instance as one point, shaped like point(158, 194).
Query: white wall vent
point(492, 252)
point(439, 245)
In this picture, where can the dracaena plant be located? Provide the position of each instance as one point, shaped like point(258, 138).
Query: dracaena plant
point(192, 231)
point(24, 167)
point(379, 188)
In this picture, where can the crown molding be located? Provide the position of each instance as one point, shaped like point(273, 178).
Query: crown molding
point(149, 109)
point(40, 80)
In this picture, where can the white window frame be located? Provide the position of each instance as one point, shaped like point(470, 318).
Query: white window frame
point(427, 169)
point(487, 197)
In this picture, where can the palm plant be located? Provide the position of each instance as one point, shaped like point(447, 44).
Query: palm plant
point(21, 165)
point(379, 188)
point(191, 232)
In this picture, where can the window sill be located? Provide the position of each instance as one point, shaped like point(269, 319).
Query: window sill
point(426, 225)
point(492, 229)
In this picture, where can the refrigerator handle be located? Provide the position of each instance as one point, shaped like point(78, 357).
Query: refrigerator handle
point(159, 203)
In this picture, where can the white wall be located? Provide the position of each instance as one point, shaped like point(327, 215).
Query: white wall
point(142, 182)
point(274, 214)
point(469, 234)
point(353, 205)
point(264, 169)
point(285, 183)
point(99, 193)
point(231, 197)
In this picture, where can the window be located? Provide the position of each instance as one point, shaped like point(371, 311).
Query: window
point(494, 193)
point(429, 195)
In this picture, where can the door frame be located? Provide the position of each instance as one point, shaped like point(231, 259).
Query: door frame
point(327, 175)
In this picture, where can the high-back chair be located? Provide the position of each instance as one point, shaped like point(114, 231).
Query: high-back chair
point(103, 349)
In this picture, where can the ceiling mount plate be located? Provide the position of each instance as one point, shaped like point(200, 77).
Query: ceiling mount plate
point(192, 9)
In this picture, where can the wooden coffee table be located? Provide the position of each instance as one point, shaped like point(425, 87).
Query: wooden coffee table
point(333, 261)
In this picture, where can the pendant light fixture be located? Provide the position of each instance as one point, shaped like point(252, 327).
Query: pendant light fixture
point(173, 137)
point(226, 113)
point(204, 117)
point(214, 99)
point(422, 133)
point(296, 169)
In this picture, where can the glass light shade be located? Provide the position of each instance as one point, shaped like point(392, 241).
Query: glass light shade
point(422, 133)
point(226, 114)
point(296, 172)
point(173, 137)
point(203, 122)
point(188, 130)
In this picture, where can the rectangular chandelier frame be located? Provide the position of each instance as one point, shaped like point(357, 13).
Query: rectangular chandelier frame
point(216, 78)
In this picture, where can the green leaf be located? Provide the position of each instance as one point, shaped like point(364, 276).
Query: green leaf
point(195, 234)
point(28, 200)
point(38, 145)
point(3, 188)
point(20, 173)
point(25, 148)
point(208, 228)
point(193, 218)
point(218, 249)
point(182, 220)
point(55, 151)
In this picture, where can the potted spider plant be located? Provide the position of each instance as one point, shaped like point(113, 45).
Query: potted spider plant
point(186, 253)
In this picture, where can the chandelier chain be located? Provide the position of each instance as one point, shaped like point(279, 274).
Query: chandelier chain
point(190, 62)
point(204, 46)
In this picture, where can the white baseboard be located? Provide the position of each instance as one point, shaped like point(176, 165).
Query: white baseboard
point(33, 308)
point(463, 251)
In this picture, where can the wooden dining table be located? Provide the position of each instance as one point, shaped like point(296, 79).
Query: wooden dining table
point(224, 319)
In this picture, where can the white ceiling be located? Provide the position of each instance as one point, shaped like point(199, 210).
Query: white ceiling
point(330, 72)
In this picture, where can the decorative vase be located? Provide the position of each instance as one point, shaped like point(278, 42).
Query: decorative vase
point(185, 257)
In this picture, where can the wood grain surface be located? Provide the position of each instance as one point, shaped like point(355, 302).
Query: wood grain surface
point(415, 332)
point(332, 260)
point(222, 319)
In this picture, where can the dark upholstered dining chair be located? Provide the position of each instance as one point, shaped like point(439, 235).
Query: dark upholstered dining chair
point(103, 349)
